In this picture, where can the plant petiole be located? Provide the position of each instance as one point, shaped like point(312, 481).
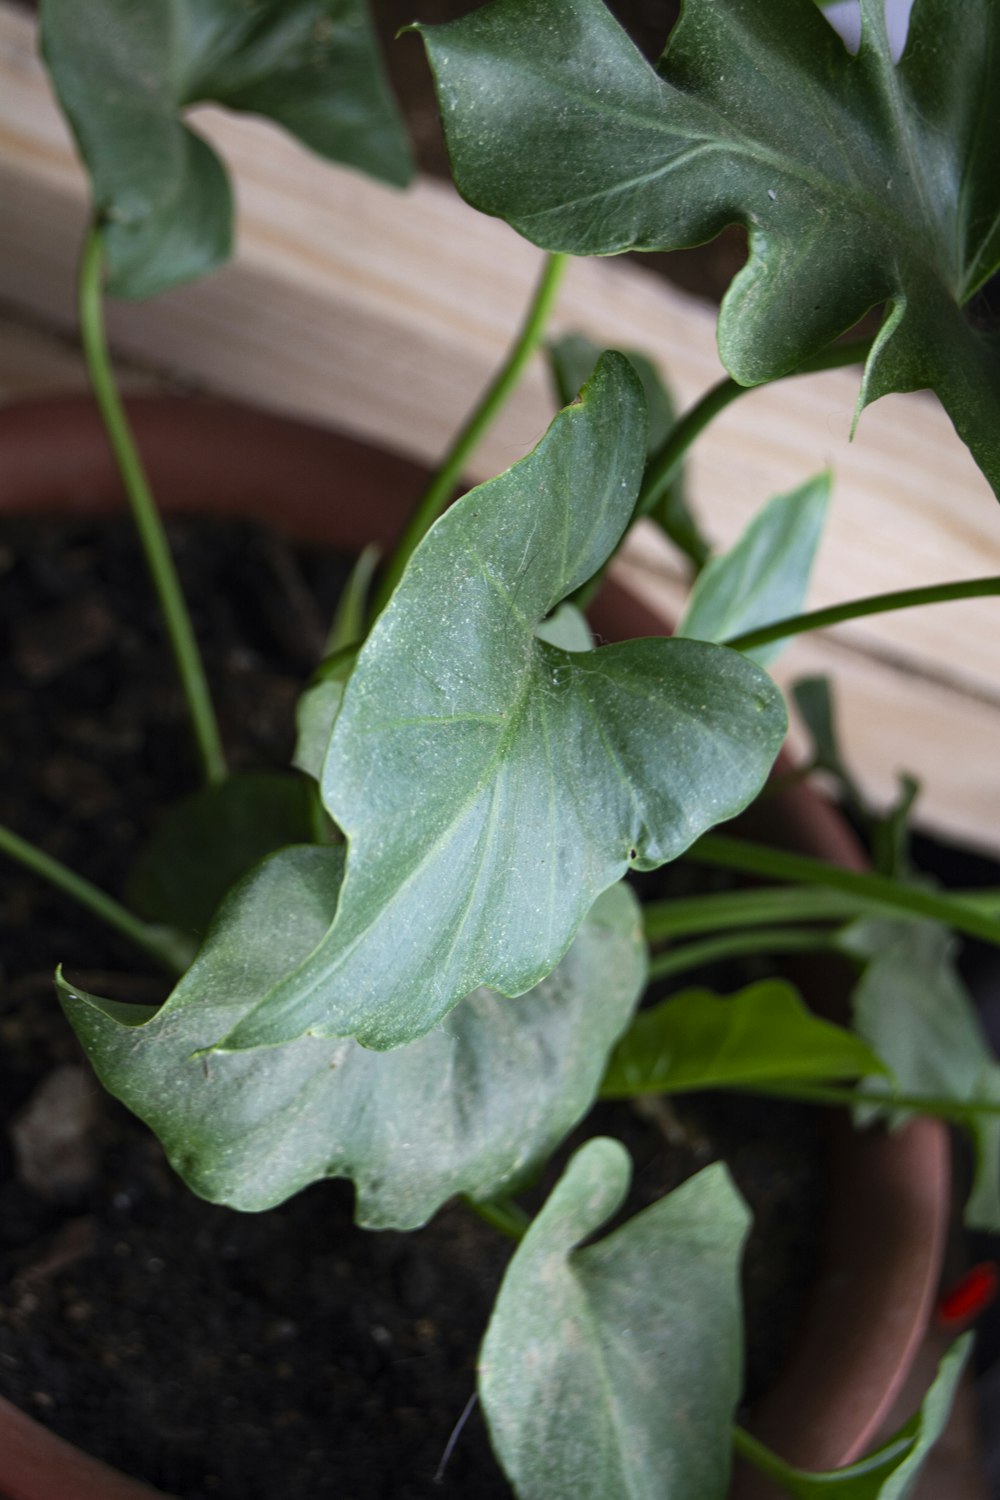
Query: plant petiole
point(503, 1213)
point(876, 890)
point(437, 494)
point(857, 609)
point(723, 909)
point(172, 950)
point(665, 462)
point(766, 940)
point(147, 519)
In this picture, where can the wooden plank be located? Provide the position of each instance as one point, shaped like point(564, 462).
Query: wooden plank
point(385, 313)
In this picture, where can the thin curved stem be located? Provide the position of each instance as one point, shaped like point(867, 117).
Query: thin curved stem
point(768, 940)
point(171, 950)
point(687, 915)
point(435, 498)
point(880, 890)
point(147, 519)
point(856, 609)
point(664, 463)
point(502, 1213)
point(958, 1111)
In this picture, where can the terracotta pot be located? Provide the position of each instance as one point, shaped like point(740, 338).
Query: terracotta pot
point(888, 1193)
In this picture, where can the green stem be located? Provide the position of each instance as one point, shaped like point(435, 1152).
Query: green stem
point(151, 534)
point(960, 1112)
point(664, 465)
point(504, 1215)
point(435, 498)
point(170, 949)
point(665, 462)
point(762, 1458)
point(856, 609)
point(770, 940)
point(786, 903)
point(877, 890)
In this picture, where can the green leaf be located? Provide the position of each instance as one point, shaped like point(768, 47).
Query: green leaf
point(573, 359)
point(764, 577)
point(318, 707)
point(891, 1472)
point(491, 785)
point(763, 1034)
point(467, 1109)
point(911, 1005)
point(126, 72)
point(859, 181)
point(889, 832)
point(207, 842)
point(614, 1369)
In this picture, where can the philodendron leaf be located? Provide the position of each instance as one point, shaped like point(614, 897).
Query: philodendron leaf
point(466, 1109)
point(763, 1034)
point(764, 577)
point(208, 841)
point(911, 1005)
point(126, 72)
point(891, 1472)
point(860, 181)
point(573, 358)
point(491, 784)
point(614, 1369)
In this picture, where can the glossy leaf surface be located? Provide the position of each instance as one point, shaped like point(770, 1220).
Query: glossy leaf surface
point(573, 358)
point(891, 1472)
point(468, 1108)
point(126, 72)
point(491, 784)
point(765, 575)
point(859, 181)
point(207, 842)
point(911, 1005)
point(614, 1369)
point(763, 1034)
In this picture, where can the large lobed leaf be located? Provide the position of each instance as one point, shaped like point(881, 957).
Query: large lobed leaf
point(613, 1370)
point(125, 73)
point(468, 1108)
point(490, 783)
point(860, 181)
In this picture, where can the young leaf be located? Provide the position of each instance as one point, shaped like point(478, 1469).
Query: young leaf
point(614, 1369)
point(208, 841)
point(467, 1109)
point(893, 1469)
point(318, 707)
point(859, 181)
point(763, 1034)
point(764, 577)
point(911, 1005)
point(491, 785)
point(888, 832)
point(573, 359)
point(125, 73)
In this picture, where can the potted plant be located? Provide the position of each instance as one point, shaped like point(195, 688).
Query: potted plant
point(427, 990)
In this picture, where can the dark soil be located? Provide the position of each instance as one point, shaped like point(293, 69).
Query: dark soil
point(281, 1355)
